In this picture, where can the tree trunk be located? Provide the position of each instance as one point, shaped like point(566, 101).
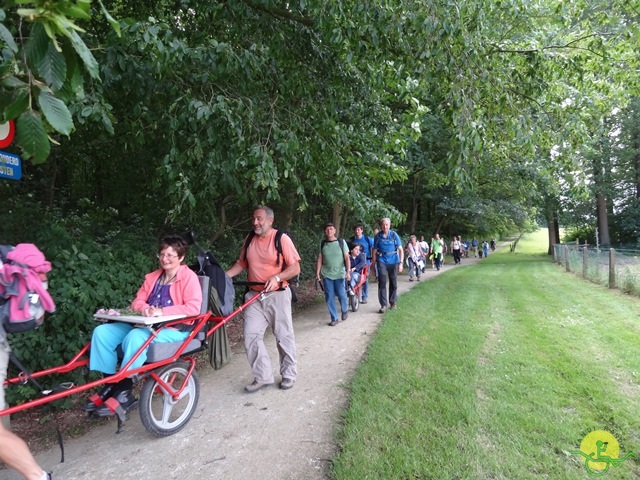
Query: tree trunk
point(601, 201)
point(603, 220)
point(553, 229)
point(344, 224)
point(637, 176)
point(284, 217)
point(337, 217)
point(415, 202)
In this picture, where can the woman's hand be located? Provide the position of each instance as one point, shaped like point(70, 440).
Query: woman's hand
point(152, 312)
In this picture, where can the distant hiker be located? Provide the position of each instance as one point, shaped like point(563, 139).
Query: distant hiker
point(474, 246)
point(436, 250)
point(415, 258)
point(485, 248)
point(456, 249)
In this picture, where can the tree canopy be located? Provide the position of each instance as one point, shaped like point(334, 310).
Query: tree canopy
point(464, 116)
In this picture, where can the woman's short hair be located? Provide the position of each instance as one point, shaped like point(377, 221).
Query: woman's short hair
point(176, 242)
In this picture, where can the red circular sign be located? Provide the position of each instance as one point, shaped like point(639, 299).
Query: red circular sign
point(7, 132)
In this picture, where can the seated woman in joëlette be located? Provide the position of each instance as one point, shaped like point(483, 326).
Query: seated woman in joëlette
point(170, 290)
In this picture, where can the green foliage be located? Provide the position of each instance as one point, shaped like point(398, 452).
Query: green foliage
point(585, 233)
point(88, 273)
point(45, 63)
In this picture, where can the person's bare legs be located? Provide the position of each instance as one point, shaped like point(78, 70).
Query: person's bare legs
point(15, 454)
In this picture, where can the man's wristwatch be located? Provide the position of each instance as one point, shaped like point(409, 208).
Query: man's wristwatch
point(278, 279)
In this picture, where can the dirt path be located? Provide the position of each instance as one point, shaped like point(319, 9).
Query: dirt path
point(271, 434)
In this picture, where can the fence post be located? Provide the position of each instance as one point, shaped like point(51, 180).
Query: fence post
point(585, 261)
point(566, 258)
point(612, 268)
point(555, 254)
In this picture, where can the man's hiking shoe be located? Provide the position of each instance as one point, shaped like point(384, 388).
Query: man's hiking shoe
point(393, 306)
point(333, 323)
point(286, 383)
point(411, 279)
point(363, 301)
point(255, 386)
point(345, 315)
point(382, 309)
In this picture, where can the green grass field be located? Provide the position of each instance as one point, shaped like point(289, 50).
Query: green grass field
point(496, 371)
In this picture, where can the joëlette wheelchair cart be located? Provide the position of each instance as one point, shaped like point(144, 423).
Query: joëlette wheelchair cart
point(170, 392)
point(354, 300)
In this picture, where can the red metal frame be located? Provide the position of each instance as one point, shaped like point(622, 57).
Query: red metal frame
point(364, 276)
point(81, 359)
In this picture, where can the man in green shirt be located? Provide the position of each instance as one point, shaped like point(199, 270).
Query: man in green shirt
point(331, 269)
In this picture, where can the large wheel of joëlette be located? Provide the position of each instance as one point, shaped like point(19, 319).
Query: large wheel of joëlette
point(354, 301)
point(161, 414)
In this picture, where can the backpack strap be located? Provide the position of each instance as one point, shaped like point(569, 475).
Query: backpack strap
point(247, 242)
point(277, 243)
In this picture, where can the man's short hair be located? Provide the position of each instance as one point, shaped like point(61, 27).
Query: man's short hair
point(359, 225)
point(266, 209)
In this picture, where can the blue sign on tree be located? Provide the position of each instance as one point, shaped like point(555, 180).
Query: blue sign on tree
point(10, 166)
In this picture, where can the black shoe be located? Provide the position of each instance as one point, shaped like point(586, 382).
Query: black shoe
point(100, 397)
point(124, 399)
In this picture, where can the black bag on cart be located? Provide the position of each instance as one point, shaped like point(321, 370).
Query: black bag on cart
point(221, 298)
point(219, 348)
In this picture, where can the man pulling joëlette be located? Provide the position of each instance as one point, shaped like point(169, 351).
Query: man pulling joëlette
point(274, 311)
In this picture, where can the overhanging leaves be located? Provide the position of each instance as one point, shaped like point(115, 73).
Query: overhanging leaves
point(32, 137)
point(56, 112)
point(53, 68)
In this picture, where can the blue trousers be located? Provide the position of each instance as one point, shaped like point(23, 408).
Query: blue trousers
point(331, 289)
point(108, 336)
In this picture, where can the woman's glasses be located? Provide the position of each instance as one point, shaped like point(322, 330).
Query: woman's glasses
point(168, 255)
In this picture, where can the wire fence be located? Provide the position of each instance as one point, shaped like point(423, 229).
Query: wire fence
point(613, 268)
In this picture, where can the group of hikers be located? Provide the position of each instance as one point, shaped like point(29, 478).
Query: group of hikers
point(340, 263)
point(270, 258)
